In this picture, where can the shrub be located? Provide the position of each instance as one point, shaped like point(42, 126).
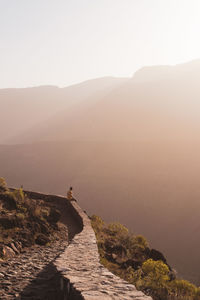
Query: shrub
point(19, 194)
point(154, 279)
point(185, 289)
point(117, 229)
point(3, 185)
point(156, 270)
point(97, 223)
point(140, 240)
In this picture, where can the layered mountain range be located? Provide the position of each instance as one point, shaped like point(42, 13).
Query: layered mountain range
point(128, 146)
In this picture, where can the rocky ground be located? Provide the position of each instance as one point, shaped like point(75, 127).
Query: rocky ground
point(31, 274)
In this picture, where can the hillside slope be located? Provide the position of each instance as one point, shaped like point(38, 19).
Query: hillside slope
point(25, 222)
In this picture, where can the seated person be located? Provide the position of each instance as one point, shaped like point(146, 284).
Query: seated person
point(69, 194)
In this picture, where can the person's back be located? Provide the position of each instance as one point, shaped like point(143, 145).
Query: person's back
point(69, 194)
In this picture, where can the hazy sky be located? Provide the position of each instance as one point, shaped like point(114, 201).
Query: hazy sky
point(62, 42)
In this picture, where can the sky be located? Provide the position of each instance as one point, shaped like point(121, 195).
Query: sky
point(63, 42)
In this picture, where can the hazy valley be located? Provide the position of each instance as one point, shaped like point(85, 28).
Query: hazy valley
point(130, 148)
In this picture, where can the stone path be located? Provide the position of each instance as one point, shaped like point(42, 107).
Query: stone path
point(31, 275)
point(80, 265)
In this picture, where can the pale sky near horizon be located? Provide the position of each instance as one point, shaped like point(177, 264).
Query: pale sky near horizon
point(62, 42)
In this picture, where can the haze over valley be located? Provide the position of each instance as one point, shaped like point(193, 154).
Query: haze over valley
point(129, 147)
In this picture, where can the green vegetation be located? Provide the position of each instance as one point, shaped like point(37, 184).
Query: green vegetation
point(3, 185)
point(130, 257)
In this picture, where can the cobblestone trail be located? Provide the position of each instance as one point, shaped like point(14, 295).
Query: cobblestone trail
point(30, 275)
point(79, 264)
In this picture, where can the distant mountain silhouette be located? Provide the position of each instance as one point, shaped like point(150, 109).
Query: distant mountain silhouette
point(23, 109)
point(130, 147)
point(157, 103)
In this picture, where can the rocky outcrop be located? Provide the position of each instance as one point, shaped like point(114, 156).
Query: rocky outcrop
point(82, 275)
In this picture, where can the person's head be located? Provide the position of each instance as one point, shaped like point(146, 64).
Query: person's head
point(70, 188)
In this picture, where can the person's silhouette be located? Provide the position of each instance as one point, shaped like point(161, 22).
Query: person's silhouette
point(69, 194)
